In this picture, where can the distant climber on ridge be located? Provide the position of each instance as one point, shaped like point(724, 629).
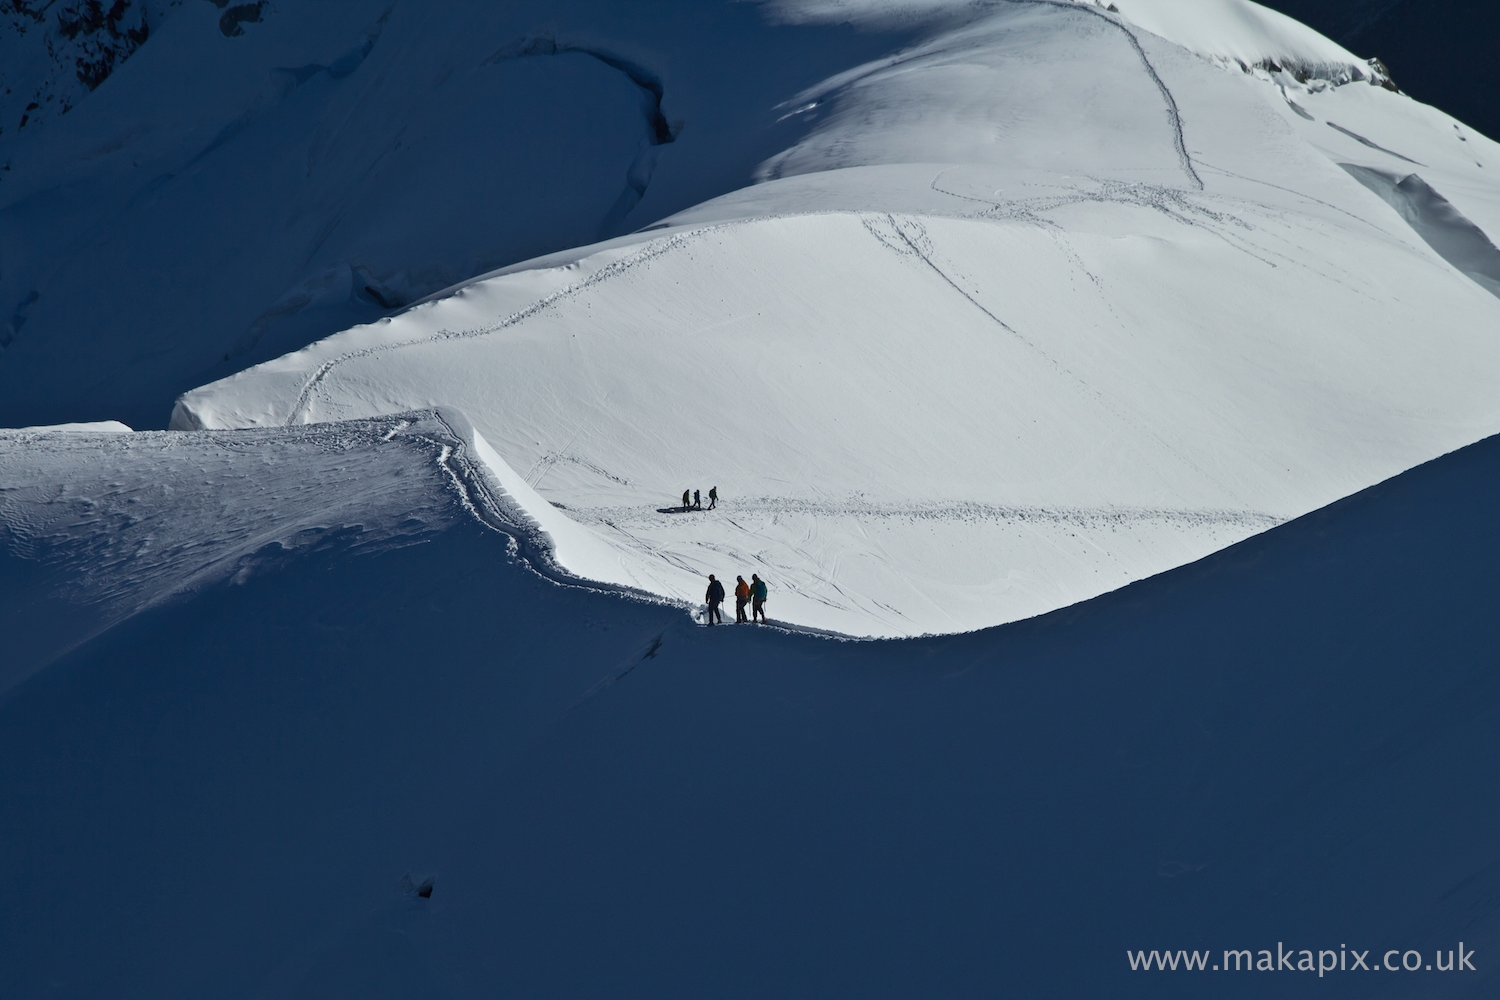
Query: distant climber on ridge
point(741, 596)
point(714, 597)
point(713, 497)
point(684, 499)
point(697, 501)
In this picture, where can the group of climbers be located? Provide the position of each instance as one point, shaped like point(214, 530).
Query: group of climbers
point(697, 504)
point(753, 593)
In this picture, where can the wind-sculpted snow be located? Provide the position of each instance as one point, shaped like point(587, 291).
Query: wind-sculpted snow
point(112, 523)
point(98, 525)
point(1459, 241)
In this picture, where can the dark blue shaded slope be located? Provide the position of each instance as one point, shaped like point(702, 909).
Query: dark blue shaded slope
point(1291, 741)
point(226, 202)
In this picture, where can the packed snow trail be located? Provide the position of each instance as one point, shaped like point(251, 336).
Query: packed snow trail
point(1174, 117)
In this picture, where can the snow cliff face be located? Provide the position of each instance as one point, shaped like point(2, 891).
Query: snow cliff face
point(1036, 305)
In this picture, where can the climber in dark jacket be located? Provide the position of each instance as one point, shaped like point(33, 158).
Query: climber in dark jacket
point(714, 597)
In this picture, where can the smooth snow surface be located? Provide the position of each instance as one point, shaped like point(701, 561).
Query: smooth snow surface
point(1038, 305)
point(92, 427)
point(1238, 30)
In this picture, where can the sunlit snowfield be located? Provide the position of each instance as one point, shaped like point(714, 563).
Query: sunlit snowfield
point(1040, 305)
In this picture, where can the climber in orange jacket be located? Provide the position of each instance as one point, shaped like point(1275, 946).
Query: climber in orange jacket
point(741, 597)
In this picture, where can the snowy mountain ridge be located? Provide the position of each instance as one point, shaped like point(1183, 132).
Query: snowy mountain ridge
point(125, 522)
point(1249, 35)
point(1036, 305)
point(234, 793)
point(970, 313)
point(382, 673)
point(1239, 32)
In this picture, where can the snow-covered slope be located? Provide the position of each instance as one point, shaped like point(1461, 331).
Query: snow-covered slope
point(225, 197)
point(1244, 32)
point(240, 791)
point(348, 695)
point(120, 522)
point(53, 55)
point(115, 523)
point(1038, 305)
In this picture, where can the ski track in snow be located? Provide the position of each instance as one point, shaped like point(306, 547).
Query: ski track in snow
point(651, 250)
point(1170, 202)
point(914, 250)
point(552, 459)
point(1293, 191)
point(950, 511)
point(1174, 116)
